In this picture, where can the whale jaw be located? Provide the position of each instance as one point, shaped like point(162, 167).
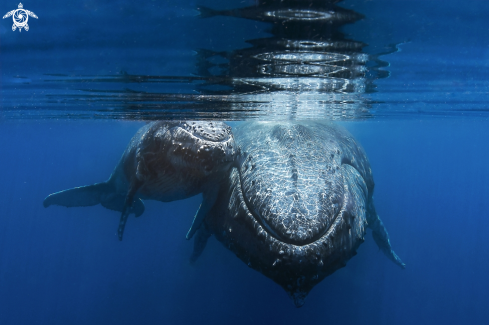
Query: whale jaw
point(296, 268)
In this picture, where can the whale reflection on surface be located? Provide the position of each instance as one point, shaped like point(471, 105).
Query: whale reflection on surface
point(306, 69)
point(301, 15)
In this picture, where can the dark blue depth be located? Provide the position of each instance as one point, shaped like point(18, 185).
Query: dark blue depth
point(66, 266)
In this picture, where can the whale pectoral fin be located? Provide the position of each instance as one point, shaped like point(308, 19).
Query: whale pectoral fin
point(100, 193)
point(381, 237)
point(208, 199)
point(116, 203)
point(79, 196)
point(200, 241)
point(130, 206)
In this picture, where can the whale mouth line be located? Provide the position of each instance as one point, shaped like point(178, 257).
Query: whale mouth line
point(272, 232)
point(257, 217)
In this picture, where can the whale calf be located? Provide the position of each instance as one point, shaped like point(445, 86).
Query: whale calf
point(298, 207)
point(164, 161)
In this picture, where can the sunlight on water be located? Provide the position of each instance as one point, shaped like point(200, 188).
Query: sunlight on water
point(305, 68)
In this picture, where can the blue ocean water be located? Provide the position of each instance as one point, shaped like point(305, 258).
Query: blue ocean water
point(88, 74)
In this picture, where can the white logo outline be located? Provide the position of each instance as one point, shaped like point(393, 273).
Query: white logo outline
point(20, 17)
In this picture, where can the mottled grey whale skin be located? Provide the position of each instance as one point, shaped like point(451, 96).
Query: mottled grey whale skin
point(164, 161)
point(299, 205)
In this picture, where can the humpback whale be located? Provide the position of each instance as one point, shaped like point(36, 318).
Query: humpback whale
point(164, 161)
point(298, 206)
point(292, 200)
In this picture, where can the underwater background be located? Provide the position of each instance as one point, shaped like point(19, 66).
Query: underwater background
point(87, 75)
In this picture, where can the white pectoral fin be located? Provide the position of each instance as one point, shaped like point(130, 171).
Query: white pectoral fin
point(359, 206)
point(381, 237)
point(8, 14)
point(208, 200)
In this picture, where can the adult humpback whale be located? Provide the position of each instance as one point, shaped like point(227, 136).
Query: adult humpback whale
point(164, 161)
point(298, 207)
point(290, 199)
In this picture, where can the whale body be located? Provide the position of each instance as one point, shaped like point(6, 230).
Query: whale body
point(298, 207)
point(292, 200)
point(164, 161)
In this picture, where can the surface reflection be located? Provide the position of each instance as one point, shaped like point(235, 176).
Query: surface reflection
point(307, 68)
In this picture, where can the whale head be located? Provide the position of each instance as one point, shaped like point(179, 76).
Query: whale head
point(297, 203)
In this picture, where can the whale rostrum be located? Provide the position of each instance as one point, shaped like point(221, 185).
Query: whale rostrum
point(298, 207)
point(292, 200)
